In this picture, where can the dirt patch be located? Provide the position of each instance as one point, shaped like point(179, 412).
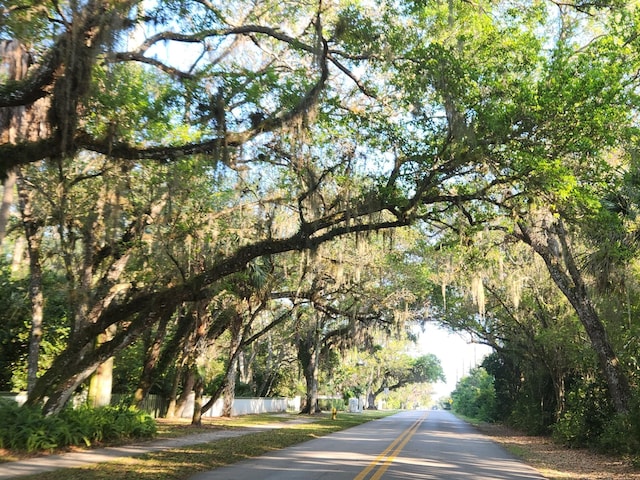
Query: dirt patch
point(555, 461)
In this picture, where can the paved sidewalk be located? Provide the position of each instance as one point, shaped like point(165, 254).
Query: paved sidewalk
point(35, 465)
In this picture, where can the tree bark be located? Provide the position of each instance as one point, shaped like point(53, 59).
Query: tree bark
point(80, 359)
point(198, 390)
point(89, 343)
point(151, 361)
point(309, 355)
point(18, 124)
point(173, 394)
point(188, 386)
point(36, 295)
point(550, 241)
point(100, 385)
point(203, 321)
point(102, 379)
point(8, 187)
point(26, 122)
point(228, 393)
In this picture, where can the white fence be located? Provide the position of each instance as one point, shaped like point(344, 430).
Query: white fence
point(241, 406)
point(246, 406)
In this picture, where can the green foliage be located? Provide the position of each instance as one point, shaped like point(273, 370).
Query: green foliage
point(15, 326)
point(357, 31)
point(28, 21)
point(427, 369)
point(475, 395)
point(26, 428)
point(14, 318)
point(621, 434)
point(589, 420)
point(525, 396)
point(588, 411)
point(326, 404)
point(468, 96)
point(131, 103)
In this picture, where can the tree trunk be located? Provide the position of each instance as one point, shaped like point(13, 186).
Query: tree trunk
point(198, 389)
point(172, 406)
point(7, 201)
point(59, 397)
point(90, 302)
point(187, 388)
point(228, 394)
point(143, 309)
point(551, 242)
point(100, 385)
point(150, 363)
point(309, 355)
point(36, 296)
point(81, 358)
point(102, 379)
point(272, 365)
point(26, 122)
point(245, 365)
point(371, 400)
point(19, 124)
point(18, 255)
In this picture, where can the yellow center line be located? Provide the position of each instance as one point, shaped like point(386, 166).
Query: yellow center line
point(384, 459)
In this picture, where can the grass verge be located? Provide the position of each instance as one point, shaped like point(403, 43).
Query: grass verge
point(183, 462)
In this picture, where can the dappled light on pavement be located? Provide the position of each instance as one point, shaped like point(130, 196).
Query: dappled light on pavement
point(409, 446)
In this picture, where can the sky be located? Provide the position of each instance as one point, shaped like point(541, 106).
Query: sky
point(457, 355)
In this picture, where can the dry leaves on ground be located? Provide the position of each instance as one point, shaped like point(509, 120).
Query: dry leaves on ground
point(555, 461)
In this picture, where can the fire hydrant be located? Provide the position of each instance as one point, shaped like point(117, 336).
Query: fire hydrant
point(334, 413)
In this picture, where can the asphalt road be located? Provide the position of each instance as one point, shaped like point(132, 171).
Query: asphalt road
point(411, 445)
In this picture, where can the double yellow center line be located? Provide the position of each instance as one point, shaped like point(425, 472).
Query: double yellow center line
point(384, 460)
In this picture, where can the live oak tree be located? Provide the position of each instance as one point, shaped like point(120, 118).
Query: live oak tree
point(83, 33)
point(544, 121)
point(502, 295)
point(210, 100)
point(389, 367)
point(18, 125)
point(453, 114)
point(341, 306)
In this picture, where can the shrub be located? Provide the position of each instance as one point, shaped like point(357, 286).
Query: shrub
point(26, 428)
point(475, 396)
point(530, 417)
point(621, 434)
point(121, 422)
point(588, 411)
point(327, 404)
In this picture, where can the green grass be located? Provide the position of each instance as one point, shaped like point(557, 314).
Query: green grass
point(178, 427)
point(183, 462)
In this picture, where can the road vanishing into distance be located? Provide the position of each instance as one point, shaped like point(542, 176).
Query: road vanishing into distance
point(414, 445)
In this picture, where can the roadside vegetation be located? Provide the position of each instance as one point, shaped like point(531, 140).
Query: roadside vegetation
point(559, 462)
point(188, 460)
point(26, 429)
point(580, 445)
point(270, 199)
